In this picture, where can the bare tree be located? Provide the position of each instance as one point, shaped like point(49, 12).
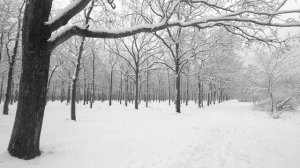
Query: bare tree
point(275, 66)
point(12, 59)
point(141, 47)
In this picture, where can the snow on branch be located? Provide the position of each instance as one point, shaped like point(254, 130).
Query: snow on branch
point(208, 4)
point(222, 20)
point(63, 17)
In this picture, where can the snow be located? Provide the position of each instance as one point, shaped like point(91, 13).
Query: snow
point(63, 12)
point(227, 135)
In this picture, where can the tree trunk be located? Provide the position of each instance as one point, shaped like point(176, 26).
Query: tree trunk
point(202, 94)
point(187, 91)
point(62, 91)
point(93, 83)
point(272, 102)
point(271, 95)
point(69, 93)
point(208, 95)
point(1, 89)
point(85, 99)
point(177, 85)
point(147, 87)
point(110, 87)
point(169, 88)
point(199, 93)
point(121, 88)
point(8, 93)
point(1, 42)
point(130, 92)
point(25, 138)
point(12, 97)
point(75, 79)
point(126, 89)
point(102, 94)
point(88, 96)
point(136, 98)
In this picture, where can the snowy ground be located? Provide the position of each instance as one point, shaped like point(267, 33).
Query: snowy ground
point(228, 135)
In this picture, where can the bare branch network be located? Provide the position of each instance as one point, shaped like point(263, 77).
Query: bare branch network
point(227, 17)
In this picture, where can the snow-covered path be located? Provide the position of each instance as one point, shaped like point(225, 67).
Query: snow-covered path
point(228, 135)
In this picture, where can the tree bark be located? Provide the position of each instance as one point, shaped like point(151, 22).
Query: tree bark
point(25, 138)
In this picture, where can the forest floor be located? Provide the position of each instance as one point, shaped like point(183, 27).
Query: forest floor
point(227, 135)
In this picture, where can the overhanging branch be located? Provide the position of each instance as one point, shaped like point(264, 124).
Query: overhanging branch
point(201, 24)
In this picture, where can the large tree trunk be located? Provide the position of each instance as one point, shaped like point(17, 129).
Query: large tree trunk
point(25, 139)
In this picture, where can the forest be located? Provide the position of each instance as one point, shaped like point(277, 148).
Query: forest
point(110, 60)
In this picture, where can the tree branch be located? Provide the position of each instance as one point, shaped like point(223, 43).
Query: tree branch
point(67, 13)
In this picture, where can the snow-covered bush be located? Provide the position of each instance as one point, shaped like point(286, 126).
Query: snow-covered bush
point(274, 81)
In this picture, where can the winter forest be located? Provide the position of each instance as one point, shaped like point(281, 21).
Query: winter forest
point(150, 83)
